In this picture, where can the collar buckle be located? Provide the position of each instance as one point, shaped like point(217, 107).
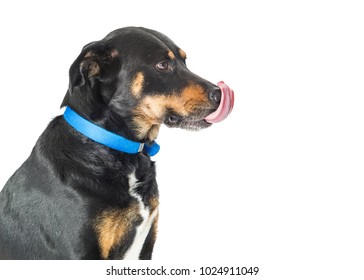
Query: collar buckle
point(141, 147)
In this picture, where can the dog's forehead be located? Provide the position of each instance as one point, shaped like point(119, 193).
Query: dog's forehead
point(140, 40)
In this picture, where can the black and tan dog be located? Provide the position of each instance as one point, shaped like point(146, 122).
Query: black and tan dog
point(88, 190)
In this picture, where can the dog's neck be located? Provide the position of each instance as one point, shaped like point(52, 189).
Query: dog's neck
point(107, 138)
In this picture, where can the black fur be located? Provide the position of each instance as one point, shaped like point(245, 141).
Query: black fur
point(50, 206)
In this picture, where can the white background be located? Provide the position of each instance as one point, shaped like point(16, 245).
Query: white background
point(279, 183)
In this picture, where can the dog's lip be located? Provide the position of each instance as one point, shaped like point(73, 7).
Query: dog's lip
point(226, 104)
point(200, 117)
point(198, 124)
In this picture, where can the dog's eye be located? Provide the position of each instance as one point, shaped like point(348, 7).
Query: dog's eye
point(162, 65)
point(173, 119)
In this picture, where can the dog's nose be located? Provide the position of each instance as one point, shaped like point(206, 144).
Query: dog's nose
point(215, 96)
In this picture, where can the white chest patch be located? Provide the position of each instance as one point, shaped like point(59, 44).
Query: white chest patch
point(143, 229)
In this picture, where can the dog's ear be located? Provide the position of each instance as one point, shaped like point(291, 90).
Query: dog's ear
point(97, 64)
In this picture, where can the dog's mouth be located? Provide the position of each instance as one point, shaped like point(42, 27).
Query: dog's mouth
point(195, 122)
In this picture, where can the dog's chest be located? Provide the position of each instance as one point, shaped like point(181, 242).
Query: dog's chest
point(147, 214)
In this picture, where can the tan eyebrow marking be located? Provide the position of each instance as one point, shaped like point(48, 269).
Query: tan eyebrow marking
point(171, 55)
point(182, 54)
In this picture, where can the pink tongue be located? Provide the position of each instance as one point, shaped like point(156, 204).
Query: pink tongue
point(226, 104)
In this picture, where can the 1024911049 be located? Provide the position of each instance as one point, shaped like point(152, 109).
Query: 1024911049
point(243, 270)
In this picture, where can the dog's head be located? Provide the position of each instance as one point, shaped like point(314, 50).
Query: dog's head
point(135, 79)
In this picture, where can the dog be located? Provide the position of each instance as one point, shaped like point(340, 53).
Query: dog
point(88, 190)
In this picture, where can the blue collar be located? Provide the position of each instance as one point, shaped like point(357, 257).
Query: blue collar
point(105, 137)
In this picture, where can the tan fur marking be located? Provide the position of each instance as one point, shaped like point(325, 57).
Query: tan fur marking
point(155, 227)
point(112, 225)
point(182, 54)
point(153, 204)
point(137, 85)
point(93, 70)
point(91, 65)
point(151, 109)
point(90, 54)
point(171, 54)
point(153, 132)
